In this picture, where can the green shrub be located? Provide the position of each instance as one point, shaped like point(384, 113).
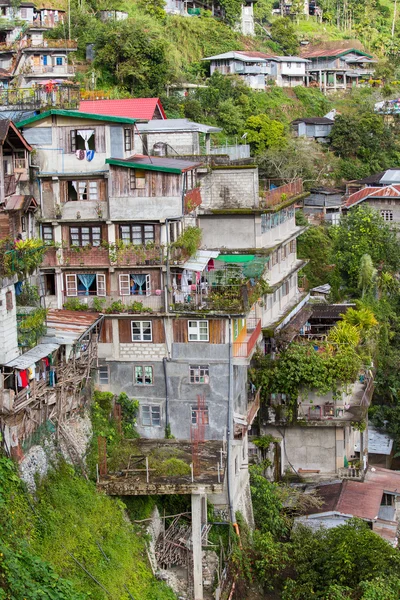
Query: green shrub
point(173, 467)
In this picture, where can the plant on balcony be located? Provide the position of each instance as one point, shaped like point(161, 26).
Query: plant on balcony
point(137, 307)
point(99, 210)
point(31, 328)
point(116, 307)
point(21, 257)
point(75, 304)
point(29, 295)
point(98, 304)
point(58, 211)
point(189, 240)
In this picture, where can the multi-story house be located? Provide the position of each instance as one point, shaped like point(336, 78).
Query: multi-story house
point(337, 68)
point(257, 69)
point(26, 57)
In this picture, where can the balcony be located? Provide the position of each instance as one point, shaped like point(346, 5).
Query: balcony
point(281, 194)
point(115, 304)
point(10, 185)
point(253, 407)
point(59, 96)
point(36, 70)
point(36, 44)
point(86, 256)
point(138, 255)
point(244, 348)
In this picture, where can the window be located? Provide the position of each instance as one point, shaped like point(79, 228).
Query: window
point(85, 284)
point(49, 284)
point(293, 247)
point(9, 300)
point(85, 236)
point(141, 331)
point(199, 374)
point(44, 58)
point(200, 416)
point(151, 416)
point(387, 215)
point(143, 375)
point(137, 179)
point(24, 13)
point(289, 65)
point(128, 139)
point(132, 284)
point(82, 139)
point(104, 375)
point(198, 331)
point(47, 234)
point(82, 190)
point(59, 61)
point(136, 234)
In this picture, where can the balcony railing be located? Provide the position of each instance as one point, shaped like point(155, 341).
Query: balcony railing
point(139, 255)
point(253, 407)
point(282, 193)
point(351, 473)
point(20, 164)
point(67, 44)
point(60, 96)
point(55, 69)
point(114, 303)
point(85, 256)
point(245, 348)
point(205, 297)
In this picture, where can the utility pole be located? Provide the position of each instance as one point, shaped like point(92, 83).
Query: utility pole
point(394, 17)
point(69, 19)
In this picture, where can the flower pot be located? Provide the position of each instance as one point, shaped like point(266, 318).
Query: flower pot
point(193, 287)
point(158, 292)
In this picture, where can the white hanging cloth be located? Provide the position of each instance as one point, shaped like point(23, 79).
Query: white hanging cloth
point(86, 134)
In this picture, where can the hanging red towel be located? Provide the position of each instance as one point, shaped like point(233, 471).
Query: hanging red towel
point(46, 361)
point(211, 265)
point(24, 378)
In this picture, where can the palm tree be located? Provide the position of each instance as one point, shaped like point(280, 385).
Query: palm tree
point(367, 274)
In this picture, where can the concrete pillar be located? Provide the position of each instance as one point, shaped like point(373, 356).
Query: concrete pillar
point(325, 80)
point(340, 441)
point(345, 81)
point(196, 544)
point(320, 80)
point(208, 143)
point(334, 81)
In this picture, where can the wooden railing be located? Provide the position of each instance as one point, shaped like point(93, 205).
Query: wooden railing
point(253, 408)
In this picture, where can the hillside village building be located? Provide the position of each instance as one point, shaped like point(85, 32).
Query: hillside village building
point(337, 68)
point(256, 69)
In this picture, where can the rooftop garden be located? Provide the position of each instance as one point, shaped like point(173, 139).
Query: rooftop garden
point(317, 366)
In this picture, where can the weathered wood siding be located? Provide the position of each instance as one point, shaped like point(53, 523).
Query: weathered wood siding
point(63, 136)
point(125, 329)
point(216, 329)
point(157, 184)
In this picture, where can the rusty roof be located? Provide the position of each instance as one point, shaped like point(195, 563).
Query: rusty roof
point(67, 326)
point(333, 52)
point(389, 191)
point(19, 202)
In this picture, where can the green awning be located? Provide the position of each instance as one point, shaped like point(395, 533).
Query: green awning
point(236, 258)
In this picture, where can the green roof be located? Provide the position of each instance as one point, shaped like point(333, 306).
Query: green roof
point(74, 114)
point(154, 163)
point(253, 266)
point(236, 258)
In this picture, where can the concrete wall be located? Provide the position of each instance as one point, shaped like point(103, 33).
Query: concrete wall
point(231, 231)
point(8, 322)
point(392, 205)
point(183, 142)
point(145, 208)
point(280, 302)
point(230, 188)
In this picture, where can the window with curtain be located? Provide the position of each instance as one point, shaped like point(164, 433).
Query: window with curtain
point(141, 331)
point(85, 284)
point(83, 190)
point(85, 236)
point(132, 284)
point(136, 234)
point(82, 139)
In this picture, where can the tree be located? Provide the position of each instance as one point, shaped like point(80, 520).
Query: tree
point(363, 231)
point(367, 274)
point(315, 245)
point(263, 132)
point(284, 34)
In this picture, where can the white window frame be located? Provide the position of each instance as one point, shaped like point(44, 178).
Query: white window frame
point(143, 375)
point(125, 285)
point(71, 282)
point(102, 369)
point(142, 333)
point(151, 412)
point(199, 373)
point(194, 333)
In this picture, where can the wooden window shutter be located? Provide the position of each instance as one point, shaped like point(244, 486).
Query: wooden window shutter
point(71, 285)
point(102, 189)
point(180, 329)
point(101, 284)
point(216, 328)
point(106, 332)
point(158, 331)
point(148, 285)
point(9, 300)
point(125, 332)
point(124, 285)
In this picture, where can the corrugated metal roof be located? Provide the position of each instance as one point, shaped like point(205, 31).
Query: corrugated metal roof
point(67, 326)
point(154, 163)
point(75, 114)
point(29, 358)
point(391, 176)
point(175, 125)
point(19, 202)
point(133, 108)
point(390, 191)
point(378, 442)
point(314, 121)
point(199, 261)
point(331, 53)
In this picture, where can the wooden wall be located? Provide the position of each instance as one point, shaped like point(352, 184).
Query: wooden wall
point(63, 135)
point(157, 184)
point(216, 330)
point(125, 329)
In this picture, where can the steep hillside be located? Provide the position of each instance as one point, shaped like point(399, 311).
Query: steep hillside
point(69, 543)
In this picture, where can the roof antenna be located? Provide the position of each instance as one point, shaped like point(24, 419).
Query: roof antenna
point(144, 146)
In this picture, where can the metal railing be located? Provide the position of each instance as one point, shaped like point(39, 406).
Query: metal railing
point(67, 96)
point(244, 349)
point(283, 192)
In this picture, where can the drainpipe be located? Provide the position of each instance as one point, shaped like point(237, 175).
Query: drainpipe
point(230, 426)
point(166, 392)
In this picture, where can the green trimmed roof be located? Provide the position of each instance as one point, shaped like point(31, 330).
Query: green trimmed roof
point(74, 114)
point(154, 163)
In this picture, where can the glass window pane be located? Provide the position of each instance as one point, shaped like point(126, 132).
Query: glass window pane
point(148, 375)
point(155, 416)
point(146, 418)
point(139, 375)
point(146, 328)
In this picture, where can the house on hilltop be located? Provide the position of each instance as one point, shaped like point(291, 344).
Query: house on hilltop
point(337, 68)
point(386, 200)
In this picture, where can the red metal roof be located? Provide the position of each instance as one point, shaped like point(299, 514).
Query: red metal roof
point(331, 52)
point(389, 191)
point(143, 109)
